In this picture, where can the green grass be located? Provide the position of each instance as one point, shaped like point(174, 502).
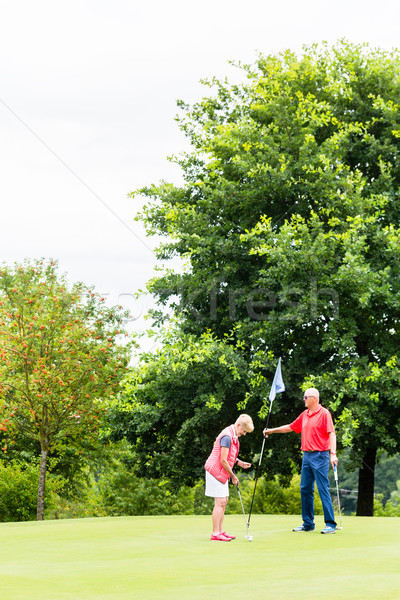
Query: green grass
point(172, 558)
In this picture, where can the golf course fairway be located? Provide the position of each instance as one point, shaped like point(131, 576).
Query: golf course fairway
point(173, 558)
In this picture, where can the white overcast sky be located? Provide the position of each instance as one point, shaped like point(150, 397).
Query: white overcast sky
point(88, 92)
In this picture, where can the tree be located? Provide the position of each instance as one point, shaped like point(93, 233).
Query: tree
point(60, 359)
point(288, 220)
point(350, 319)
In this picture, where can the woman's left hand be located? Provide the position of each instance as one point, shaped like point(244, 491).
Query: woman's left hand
point(245, 465)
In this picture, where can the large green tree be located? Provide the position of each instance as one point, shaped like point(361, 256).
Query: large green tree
point(288, 220)
point(337, 289)
point(61, 359)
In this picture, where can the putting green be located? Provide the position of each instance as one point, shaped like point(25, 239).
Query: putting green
point(172, 558)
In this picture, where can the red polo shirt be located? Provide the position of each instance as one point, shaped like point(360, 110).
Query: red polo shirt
point(315, 429)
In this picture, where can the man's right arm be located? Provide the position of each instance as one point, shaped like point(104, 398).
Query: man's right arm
point(281, 429)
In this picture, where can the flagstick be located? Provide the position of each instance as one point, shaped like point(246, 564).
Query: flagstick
point(277, 385)
point(257, 469)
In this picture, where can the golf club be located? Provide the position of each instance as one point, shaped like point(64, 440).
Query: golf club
point(338, 498)
point(249, 537)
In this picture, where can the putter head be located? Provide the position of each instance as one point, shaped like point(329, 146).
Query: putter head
point(249, 537)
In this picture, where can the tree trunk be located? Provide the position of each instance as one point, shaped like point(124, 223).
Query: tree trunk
point(366, 480)
point(42, 485)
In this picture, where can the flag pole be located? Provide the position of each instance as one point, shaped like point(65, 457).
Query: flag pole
point(277, 387)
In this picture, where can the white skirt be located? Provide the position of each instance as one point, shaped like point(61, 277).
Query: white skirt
point(215, 488)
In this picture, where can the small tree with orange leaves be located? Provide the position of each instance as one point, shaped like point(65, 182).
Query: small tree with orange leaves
point(60, 359)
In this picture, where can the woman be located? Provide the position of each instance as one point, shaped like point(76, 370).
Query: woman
point(218, 468)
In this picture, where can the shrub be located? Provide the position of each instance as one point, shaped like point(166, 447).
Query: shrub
point(19, 489)
point(124, 494)
point(390, 509)
point(85, 501)
point(271, 497)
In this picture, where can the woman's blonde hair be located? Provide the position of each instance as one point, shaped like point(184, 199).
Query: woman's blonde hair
point(245, 421)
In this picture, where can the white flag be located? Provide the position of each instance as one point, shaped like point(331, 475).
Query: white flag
point(277, 385)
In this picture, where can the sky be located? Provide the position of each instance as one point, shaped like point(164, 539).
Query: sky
point(88, 92)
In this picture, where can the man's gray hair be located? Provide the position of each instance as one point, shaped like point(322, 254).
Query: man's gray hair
point(312, 392)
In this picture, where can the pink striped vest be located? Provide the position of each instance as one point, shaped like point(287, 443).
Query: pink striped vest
point(213, 464)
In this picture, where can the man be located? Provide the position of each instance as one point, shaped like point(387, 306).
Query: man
point(219, 467)
point(318, 439)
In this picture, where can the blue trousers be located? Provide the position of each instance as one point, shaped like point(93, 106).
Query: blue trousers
point(315, 468)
